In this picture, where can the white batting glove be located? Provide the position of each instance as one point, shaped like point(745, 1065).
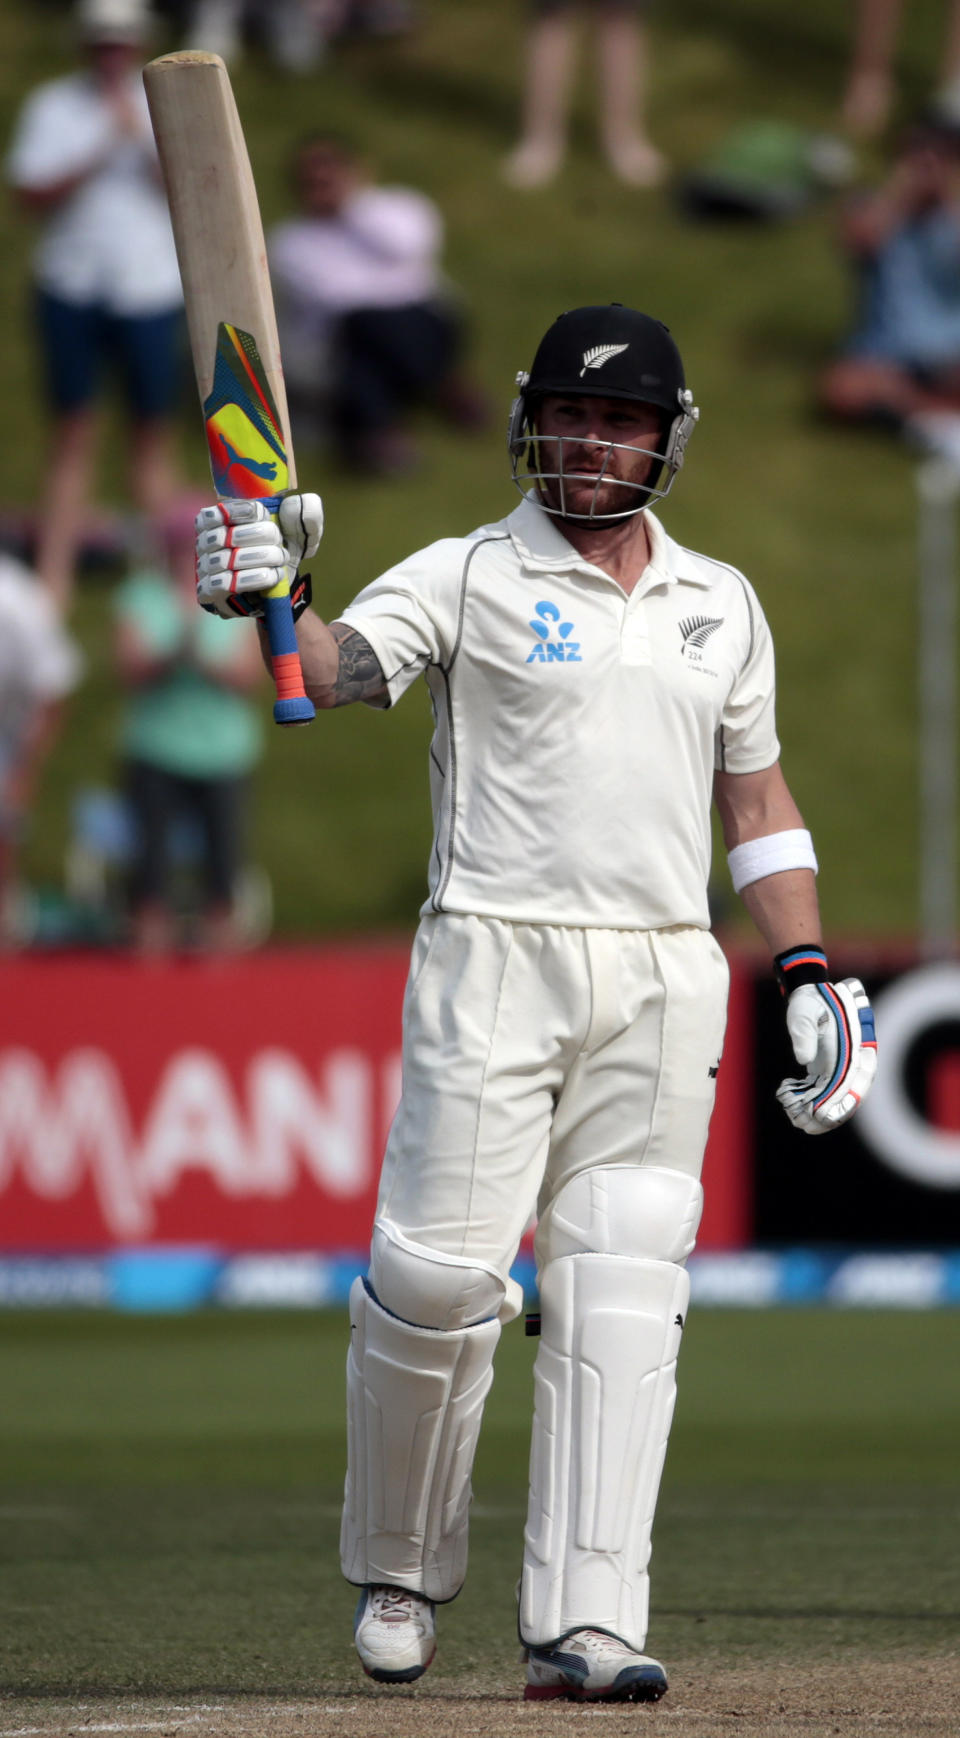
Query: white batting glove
point(833, 1037)
point(243, 550)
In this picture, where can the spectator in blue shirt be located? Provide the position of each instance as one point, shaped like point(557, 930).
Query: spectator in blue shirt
point(902, 358)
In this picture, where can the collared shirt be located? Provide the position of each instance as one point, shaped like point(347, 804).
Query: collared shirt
point(380, 251)
point(109, 242)
point(577, 729)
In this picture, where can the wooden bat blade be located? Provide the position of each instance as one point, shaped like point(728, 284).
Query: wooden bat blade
point(216, 219)
point(230, 315)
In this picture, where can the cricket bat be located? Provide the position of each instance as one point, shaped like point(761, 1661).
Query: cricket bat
point(230, 314)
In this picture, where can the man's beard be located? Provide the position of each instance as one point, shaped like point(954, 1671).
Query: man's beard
point(600, 500)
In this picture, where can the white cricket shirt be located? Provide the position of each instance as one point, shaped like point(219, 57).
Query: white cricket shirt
point(109, 241)
point(577, 729)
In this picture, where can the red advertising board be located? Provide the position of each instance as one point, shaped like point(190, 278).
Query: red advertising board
point(239, 1104)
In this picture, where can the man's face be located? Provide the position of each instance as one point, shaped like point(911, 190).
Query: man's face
point(584, 440)
point(929, 167)
point(113, 62)
point(326, 178)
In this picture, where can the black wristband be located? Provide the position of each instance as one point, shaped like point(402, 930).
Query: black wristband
point(800, 965)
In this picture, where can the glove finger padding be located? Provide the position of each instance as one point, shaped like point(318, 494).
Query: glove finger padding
point(243, 552)
point(258, 534)
point(232, 510)
point(832, 1031)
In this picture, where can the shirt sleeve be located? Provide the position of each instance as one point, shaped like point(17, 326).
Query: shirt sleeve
point(51, 661)
point(55, 137)
point(409, 616)
point(747, 736)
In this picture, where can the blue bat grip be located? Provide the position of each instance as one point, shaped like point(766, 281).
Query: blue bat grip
point(291, 705)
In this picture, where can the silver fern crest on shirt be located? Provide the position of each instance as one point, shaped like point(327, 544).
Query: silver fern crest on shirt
point(696, 630)
point(599, 354)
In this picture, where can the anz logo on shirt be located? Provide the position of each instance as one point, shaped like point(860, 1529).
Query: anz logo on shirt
point(553, 644)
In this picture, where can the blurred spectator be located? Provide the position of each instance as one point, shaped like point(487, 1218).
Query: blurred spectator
point(190, 738)
point(368, 325)
point(869, 93)
point(107, 283)
point(620, 36)
point(764, 171)
point(903, 356)
point(295, 32)
point(39, 666)
point(381, 17)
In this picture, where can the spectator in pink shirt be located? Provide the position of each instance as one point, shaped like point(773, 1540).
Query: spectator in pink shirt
point(369, 325)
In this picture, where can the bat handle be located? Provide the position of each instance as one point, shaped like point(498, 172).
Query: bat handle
point(291, 705)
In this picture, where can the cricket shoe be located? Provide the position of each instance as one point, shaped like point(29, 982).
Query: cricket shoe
point(591, 1666)
point(394, 1634)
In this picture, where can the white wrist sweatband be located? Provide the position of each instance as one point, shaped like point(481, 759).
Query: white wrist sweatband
point(770, 856)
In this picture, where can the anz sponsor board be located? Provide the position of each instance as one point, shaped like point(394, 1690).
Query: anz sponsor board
point(231, 1106)
point(202, 1131)
point(894, 1122)
point(183, 1279)
point(890, 1178)
point(69, 1129)
point(862, 1279)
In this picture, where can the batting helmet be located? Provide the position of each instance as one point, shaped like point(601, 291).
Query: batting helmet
point(608, 352)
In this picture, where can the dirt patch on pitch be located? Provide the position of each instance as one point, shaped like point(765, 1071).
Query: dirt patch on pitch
point(910, 1698)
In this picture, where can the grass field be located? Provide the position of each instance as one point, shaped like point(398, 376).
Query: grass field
point(822, 521)
point(169, 1493)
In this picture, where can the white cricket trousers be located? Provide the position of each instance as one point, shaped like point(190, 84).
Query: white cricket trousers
point(569, 1071)
point(534, 1052)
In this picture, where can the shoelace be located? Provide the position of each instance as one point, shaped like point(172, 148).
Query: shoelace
point(395, 1605)
point(594, 1645)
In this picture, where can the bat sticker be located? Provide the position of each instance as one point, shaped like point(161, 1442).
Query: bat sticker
point(247, 453)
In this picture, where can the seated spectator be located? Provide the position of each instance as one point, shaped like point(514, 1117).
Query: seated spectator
point(39, 666)
point(191, 735)
point(903, 356)
point(107, 287)
point(368, 326)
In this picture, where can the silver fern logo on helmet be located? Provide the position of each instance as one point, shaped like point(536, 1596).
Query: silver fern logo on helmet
point(600, 354)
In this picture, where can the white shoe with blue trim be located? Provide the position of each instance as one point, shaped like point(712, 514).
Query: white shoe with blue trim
point(591, 1666)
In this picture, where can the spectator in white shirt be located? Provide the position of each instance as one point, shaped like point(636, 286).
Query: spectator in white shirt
point(369, 327)
point(107, 287)
point(39, 666)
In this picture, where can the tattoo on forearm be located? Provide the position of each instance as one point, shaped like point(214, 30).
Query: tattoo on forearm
point(359, 676)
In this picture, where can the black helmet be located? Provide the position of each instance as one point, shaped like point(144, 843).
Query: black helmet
point(609, 352)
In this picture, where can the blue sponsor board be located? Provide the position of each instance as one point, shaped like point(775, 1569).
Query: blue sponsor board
point(194, 1277)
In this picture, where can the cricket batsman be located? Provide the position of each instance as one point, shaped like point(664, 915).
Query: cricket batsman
point(595, 686)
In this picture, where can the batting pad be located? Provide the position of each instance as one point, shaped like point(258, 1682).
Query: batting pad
point(414, 1404)
point(605, 1386)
